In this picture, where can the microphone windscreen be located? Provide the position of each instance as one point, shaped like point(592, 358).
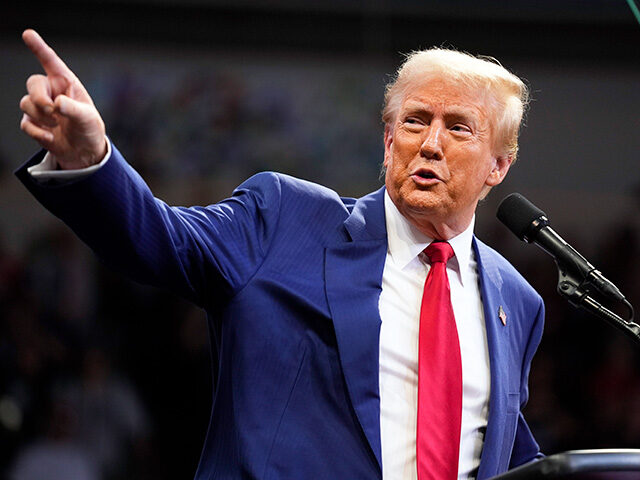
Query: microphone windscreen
point(518, 214)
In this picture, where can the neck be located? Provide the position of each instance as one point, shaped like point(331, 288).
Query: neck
point(439, 229)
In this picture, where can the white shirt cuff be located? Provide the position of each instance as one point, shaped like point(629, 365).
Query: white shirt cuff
point(46, 169)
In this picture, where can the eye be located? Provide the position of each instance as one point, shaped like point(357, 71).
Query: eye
point(413, 121)
point(460, 127)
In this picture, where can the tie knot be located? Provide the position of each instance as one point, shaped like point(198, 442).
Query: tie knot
point(439, 252)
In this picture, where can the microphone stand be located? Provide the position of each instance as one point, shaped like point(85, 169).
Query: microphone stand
point(577, 291)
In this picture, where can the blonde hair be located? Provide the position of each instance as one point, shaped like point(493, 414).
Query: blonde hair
point(508, 93)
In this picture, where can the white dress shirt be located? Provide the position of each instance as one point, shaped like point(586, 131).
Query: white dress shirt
point(47, 169)
point(403, 278)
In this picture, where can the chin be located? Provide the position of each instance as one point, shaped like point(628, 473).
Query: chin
point(419, 202)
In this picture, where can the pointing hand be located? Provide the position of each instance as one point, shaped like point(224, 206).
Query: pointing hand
point(59, 113)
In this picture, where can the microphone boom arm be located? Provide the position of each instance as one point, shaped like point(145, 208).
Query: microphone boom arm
point(578, 295)
point(569, 259)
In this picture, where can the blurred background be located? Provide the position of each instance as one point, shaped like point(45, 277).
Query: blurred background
point(101, 378)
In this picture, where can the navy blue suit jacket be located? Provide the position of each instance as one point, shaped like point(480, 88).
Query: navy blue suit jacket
point(289, 274)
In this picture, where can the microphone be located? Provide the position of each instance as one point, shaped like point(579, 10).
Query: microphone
point(531, 225)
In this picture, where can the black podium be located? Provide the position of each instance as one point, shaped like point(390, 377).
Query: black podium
point(614, 464)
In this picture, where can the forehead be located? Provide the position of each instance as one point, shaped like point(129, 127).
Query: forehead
point(447, 97)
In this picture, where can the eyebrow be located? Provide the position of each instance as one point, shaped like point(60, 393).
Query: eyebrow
point(453, 112)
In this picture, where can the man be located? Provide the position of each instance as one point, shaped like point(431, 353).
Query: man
point(326, 358)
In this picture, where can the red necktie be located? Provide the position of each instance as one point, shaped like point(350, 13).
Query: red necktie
point(439, 374)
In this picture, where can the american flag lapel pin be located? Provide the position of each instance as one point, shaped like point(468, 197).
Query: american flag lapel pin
point(502, 316)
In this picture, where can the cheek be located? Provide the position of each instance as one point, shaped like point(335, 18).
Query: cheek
point(474, 180)
point(406, 144)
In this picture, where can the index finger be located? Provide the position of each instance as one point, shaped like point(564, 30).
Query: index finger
point(49, 60)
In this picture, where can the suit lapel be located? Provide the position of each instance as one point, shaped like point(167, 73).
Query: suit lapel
point(498, 343)
point(353, 282)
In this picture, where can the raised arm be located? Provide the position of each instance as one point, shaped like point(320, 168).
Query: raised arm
point(59, 113)
point(201, 253)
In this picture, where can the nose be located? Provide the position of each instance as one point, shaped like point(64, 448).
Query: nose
point(431, 147)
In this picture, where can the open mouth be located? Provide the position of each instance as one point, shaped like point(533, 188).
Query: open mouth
point(425, 174)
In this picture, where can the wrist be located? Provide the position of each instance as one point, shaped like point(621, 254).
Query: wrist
point(84, 158)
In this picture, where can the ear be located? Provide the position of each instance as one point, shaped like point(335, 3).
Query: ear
point(500, 168)
point(388, 141)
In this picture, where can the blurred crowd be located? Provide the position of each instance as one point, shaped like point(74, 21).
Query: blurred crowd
point(234, 120)
point(101, 378)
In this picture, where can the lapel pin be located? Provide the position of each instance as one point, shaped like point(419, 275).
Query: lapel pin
point(502, 316)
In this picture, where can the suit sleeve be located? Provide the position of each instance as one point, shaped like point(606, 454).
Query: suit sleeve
point(202, 253)
point(525, 448)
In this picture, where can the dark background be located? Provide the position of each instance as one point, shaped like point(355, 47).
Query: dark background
point(110, 377)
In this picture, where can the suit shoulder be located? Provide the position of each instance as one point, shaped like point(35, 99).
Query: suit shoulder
point(294, 190)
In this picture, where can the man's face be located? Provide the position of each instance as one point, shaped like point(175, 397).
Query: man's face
point(439, 156)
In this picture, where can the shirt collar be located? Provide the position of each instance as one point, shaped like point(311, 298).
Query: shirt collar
point(406, 242)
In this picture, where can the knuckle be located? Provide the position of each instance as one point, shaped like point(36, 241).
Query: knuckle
point(27, 127)
point(33, 79)
point(24, 102)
